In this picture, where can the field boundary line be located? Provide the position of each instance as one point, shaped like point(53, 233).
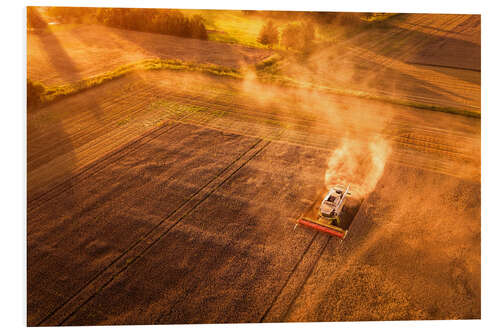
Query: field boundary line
point(137, 249)
point(54, 93)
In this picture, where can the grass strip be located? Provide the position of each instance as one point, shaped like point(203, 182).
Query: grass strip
point(51, 94)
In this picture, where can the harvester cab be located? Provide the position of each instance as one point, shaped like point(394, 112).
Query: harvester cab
point(332, 204)
point(326, 217)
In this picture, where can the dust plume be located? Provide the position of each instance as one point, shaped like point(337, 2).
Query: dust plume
point(359, 164)
point(355, 134)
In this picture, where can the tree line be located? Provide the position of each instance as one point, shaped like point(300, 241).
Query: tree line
point(163, 21)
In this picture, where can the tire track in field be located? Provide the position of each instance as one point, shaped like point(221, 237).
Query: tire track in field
point(291, 290)
point(297, 277)
point(136, 250)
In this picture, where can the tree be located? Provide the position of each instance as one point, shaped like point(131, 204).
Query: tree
point(298, 36)
point(290, 36)
point(269, 34)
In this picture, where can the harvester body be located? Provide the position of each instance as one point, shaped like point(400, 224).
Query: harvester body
point(333, 202)
point(327, 219)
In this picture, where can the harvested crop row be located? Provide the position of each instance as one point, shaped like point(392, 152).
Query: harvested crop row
point(59, 139)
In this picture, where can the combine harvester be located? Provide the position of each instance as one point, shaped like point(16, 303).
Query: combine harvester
point(326, 217)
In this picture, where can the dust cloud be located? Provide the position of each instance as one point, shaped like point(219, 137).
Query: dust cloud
point(358, 164)
point(359, 149)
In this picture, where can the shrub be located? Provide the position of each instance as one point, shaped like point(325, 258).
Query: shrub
point(34, 93)
point(269, 34)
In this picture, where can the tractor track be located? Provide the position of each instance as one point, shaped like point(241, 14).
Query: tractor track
point(292, 288)
point(136, 250)
point(288, 292)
